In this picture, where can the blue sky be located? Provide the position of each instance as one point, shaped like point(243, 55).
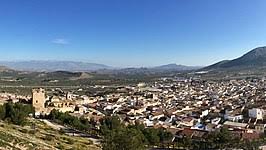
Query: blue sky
point(131, 32)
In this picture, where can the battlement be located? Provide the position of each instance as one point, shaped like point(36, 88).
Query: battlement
point(39, 90)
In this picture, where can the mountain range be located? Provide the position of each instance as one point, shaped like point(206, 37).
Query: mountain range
point(253, 60)
point(73, 66)
point(50, 66)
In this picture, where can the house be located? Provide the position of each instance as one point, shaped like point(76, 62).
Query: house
point(231, 124)
point(216, 121)
point(204, 113)
point(191, 133)
point(233, 117)
point(188, 121)
point(157, 114)
point(260, 128)
point(256, 113)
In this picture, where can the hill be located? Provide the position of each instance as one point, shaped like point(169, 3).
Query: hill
point(253, 60)
point(42, 136)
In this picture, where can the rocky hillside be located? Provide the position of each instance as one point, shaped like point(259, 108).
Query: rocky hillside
point(254, 59)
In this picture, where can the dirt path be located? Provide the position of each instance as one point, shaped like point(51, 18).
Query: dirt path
point(58, 127)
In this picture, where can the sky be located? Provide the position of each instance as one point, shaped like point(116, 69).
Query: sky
point(125, 33)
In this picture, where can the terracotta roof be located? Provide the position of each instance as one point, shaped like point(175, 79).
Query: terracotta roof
point(187, 132)
point(187, 119)
point(158, 112)
point(173, 130)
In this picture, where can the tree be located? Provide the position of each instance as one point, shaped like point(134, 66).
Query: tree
point(124, 139)
point(16, 113)
point(2, 112)
point(164, 135)
point(117, 136)
point(112, 122)
point(152, 136)
point(185, 142)
point(221, 139)
point(81, 123)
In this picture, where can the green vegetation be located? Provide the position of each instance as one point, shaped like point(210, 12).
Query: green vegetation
point(34, 134)
point(22, 80)
point(81, 123)
point(15, 113)
point(117, 136)
point(222, 139)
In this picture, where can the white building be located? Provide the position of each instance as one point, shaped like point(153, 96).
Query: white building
point(232, 117)
point(255, 113)
point(204, 113)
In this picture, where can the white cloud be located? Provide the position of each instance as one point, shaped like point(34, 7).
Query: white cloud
point(60, 41)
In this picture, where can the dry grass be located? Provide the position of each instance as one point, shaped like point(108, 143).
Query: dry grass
point(42, 137)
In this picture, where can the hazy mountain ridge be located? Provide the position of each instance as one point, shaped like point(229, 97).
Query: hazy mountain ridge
point(51, 66)
point(163, 69)
point(72, 66)
point(176, 67)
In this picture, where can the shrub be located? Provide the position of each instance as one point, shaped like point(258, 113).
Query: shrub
point(23, 130)
point(48, 137)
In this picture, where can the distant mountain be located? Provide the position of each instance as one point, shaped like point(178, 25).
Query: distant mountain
point(157, 70)
point(53, 66)
point(254, 59)
point(176, 67)
point(72, 66)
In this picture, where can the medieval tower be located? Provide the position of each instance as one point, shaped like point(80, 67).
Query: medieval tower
point(38, 99)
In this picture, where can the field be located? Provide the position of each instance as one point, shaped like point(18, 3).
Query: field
point(22, 82)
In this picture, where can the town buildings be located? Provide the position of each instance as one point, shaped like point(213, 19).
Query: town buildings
point(186, 107)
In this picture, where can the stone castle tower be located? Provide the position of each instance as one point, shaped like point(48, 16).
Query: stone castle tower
point(38, 98)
